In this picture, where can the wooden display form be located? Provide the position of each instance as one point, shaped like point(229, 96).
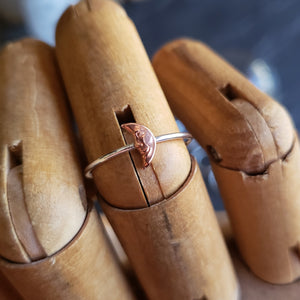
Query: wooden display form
point(51, 242)
point(7, 291)
point(109, 80)
point(251, 287)
point(165, 249)
point(253, 149)
point(154, 210)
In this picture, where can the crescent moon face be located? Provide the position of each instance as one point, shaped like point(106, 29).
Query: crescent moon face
point(144, 141)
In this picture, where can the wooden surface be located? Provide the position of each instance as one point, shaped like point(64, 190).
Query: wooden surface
point(43, 203)
point(7, 291)
point(247, 134)
point(110, 81)
point(252, 287)
point(41, 208)
point(269, 242)
point(247, 129)
point(84, 269)
point(108, 76)
point(176, 247)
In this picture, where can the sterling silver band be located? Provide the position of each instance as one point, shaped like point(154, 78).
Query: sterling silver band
point(187, 137)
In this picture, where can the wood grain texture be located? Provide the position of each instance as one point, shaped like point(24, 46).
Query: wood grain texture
point(109, 80)
point(270, 206)
point(35, 136)
point(7, 291)
point(251, 286)
point(84, 269)
point(106, 71)
point(43, 204)
point(253, 149)
point(214, 100)
point(180, 231)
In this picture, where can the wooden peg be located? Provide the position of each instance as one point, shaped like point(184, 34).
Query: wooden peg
point(32, 215)
point(7, 291)
point(251, 286)
point(161, 244)
point(253, 150)
point(154, 210)
point(51, 243)
point(116, 89)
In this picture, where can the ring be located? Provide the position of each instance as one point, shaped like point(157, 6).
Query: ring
point(144, 142)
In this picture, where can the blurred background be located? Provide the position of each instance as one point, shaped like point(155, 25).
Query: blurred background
point(259, 37)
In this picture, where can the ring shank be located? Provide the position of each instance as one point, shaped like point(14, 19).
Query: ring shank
point(187, 137)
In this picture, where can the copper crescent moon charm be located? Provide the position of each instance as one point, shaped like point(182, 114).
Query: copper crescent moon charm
point(144, 141)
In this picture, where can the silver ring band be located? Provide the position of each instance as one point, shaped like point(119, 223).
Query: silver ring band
point(187, 137)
